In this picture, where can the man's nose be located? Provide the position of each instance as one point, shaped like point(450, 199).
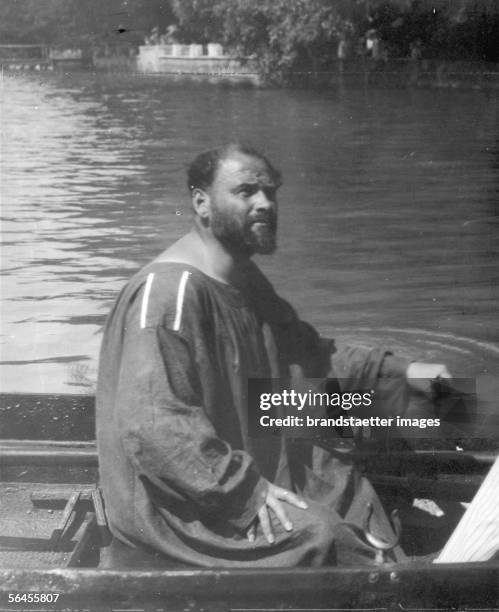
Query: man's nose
point(262, 201)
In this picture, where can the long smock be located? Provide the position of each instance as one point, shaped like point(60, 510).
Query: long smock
point(181, 476)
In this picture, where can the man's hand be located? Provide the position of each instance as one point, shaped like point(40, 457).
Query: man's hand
point(420, 375)
point(273, 501)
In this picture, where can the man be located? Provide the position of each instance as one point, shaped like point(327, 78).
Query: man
point(182, 478)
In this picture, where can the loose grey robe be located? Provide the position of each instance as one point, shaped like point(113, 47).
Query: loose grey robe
point(180, 474)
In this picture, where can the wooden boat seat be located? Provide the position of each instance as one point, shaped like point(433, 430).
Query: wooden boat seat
point(46, 527)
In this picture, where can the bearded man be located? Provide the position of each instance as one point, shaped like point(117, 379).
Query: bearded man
point(182, 478)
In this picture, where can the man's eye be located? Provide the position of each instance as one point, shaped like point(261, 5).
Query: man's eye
point(248, 191)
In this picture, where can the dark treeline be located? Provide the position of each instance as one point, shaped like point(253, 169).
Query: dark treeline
point(283, 36)
point(80, 23)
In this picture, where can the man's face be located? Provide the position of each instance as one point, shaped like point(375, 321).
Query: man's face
point(244, 205)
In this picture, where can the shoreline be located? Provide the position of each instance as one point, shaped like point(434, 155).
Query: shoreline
point(393, 73)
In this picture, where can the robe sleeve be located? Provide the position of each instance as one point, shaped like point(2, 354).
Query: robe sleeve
point(359, 367)
point(355, 368)
point(168, 436)
point(366, 367)
point(319, 357)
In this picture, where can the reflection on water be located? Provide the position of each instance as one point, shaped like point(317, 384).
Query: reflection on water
point(388, 215)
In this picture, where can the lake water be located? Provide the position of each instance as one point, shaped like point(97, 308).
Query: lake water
point(389, 214)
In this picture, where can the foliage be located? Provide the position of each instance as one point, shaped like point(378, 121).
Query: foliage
point(199, 21)
point(284, 37)
point(461, 30)
point(31, 22)
point(287, 38)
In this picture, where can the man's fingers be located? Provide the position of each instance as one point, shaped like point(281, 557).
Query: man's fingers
point(263, 515)
point(252, 533)
point(276, 506)
point(290, 497)
point(272, 501)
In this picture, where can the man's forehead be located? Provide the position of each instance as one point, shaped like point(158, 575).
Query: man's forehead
point(240, 167)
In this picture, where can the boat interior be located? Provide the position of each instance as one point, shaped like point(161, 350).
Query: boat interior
point(54, 532)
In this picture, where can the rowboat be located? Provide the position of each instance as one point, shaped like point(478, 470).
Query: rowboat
point(54, 531)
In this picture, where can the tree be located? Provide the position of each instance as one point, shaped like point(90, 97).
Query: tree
point(199, 21)
point(32, 21)
point(283, 36)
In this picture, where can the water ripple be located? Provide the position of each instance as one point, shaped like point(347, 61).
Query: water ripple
point(388, 210)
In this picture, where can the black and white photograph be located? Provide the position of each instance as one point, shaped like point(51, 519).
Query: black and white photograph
point(249, 352)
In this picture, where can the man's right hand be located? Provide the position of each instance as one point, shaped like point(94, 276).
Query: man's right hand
point(275, 495)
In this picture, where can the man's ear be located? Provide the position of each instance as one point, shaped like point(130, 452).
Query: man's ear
point(201, 202)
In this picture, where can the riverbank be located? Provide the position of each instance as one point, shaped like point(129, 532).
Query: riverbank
point(393, 73)
point(423, 73)
point(189, 63)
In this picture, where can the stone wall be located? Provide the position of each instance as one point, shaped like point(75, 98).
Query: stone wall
point(194, 60)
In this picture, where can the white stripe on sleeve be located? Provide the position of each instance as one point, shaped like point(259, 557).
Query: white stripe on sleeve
point(145, 300)
point(180, 300)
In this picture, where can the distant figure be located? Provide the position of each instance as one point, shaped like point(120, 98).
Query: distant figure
point(341, 53)
point(372, 44)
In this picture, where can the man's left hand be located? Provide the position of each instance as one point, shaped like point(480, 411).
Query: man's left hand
point(420, 375)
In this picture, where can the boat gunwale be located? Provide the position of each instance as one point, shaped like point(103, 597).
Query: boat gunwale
point(461, 582)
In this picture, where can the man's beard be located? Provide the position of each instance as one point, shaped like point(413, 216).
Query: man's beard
point(253, 235)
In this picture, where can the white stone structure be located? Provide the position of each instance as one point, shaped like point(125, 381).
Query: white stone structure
point(194, 60)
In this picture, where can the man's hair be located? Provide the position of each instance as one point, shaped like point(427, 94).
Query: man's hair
point(201, 172)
